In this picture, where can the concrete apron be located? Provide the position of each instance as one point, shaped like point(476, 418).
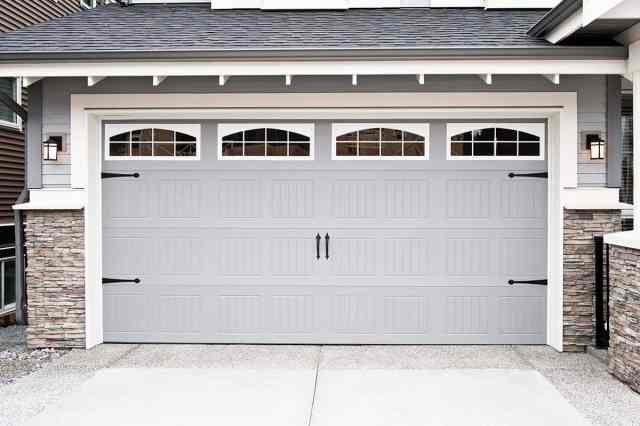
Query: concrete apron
point(234, 397)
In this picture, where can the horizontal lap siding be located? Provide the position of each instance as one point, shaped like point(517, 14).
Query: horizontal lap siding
point(11, 171)
point(19, 14)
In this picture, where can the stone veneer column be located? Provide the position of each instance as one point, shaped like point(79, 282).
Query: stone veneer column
point(55, 278)
point(624, 321)
point(580, 226)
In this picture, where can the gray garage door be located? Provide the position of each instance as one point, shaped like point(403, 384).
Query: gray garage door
point(417, 251)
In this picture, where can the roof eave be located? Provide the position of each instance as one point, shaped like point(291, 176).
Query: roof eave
point(549, 52)
point(556, 16)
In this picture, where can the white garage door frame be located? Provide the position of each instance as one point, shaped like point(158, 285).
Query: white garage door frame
point(89, 111)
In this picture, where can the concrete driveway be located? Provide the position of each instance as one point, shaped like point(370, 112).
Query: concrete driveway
point(319, 386)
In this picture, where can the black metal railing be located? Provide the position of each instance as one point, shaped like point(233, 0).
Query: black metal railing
point(7, 279)
point(601, 262)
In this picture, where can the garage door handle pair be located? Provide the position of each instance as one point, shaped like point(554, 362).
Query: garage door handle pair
point(326, 246)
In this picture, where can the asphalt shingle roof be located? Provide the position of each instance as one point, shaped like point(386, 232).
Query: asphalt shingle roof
point(197, 28)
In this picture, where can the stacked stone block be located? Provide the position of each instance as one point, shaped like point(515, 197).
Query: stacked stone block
point(580, 226)
point(624, 323)
point(55, 278)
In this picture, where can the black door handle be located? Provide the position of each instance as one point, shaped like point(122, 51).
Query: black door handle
point(326, 245)
point(541, 175)
point(318, 238)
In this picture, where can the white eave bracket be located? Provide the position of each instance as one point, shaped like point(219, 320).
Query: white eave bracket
point(93, 80)
point(554, 78)
point(158, 79)
point(223, 79)
point(28, 81)
point(487, 78)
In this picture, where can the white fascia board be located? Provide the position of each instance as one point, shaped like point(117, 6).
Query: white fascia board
point(95, 70)
point(304, 5)
point(593, 199)
point(594, 9)
point(518, 4)
point(566, 28)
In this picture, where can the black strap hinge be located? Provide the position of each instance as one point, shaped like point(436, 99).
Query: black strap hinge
point(530, 282)
point(116, 281)
point(541, 175)
point(119, 175)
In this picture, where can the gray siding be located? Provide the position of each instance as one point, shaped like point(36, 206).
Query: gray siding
point(592, 102)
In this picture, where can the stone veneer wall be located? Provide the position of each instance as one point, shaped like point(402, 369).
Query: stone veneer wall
point(580, 226)
point(624, 322)
point(55, 278)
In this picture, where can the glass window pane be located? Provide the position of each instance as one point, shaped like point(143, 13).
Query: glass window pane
point(414, 149)
point(9, 282)
point(255, 135)
point(369, 149)
point(347, 149)
point(141, 149)
point(8, 86)
point(277, 149)
point(163, 150)
point(412, 137)
point(369, 135)
point(507, 149)
point(144, 135)
point(183, 137)
point(529, 149)
point(348, 137)
point(391, 135)
point(254, 149)
point(484, 135)
point(483, 149)
point(299, 149)
point(297, 137)
point(459, 149)
point(524, 136)
point(232, 150)
point(122, 137)
point(506, 135)
point(162, 135)
point(234, 137)
point(186, 149)
point(462, 137)
point(276, 135)
point(119, 150)
point(392, 149)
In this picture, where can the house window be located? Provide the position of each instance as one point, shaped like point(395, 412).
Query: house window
point(380, 141)
point(11, 87)
point(265, 142)
point(153, 142)
point(505, 141)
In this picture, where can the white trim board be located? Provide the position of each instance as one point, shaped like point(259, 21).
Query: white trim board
point(410, 68)
point(89, 111)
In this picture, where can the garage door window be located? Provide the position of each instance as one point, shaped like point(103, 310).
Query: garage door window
point(153, 142)
point(265, 142)
point(380, 141)
point(506, 141)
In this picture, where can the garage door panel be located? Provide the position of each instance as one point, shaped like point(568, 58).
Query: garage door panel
point(418, 253)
